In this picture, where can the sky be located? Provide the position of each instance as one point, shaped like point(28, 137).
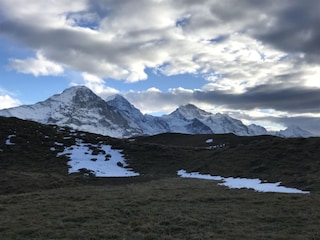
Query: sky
point(258, 61)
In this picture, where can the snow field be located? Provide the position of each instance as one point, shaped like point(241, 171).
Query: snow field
point(255, 184)
point(105, 162)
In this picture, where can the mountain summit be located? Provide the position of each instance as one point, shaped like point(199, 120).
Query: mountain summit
point(294, 131)
point(184, 116)
point(79, 108)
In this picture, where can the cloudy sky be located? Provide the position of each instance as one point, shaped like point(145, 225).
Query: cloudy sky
point(258, 61)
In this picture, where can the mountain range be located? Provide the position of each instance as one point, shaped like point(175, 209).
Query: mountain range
point(79, 108)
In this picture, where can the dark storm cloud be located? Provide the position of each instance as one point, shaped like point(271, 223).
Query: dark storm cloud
point(311, 124)
point(295, 28)
point(289, 25)
point(297, 100)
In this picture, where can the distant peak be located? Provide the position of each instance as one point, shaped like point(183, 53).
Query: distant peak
point(220, 115)
point(295, 127)
point(120, 102)
point(190, 111)
point(116, 97)
point(295, 131)
point(189, 106)
point(77, 88)
point(75, 93)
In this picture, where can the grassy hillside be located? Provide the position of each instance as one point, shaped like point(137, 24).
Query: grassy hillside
point(40, 200)
point(294, 162)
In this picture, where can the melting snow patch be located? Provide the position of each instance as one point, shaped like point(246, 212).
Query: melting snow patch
point(255, 184)
point(106, 162)
point(209, 140)
point(216, 146)
point(8, 140)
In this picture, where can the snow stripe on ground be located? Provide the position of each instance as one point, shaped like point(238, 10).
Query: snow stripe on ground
point(255, 184)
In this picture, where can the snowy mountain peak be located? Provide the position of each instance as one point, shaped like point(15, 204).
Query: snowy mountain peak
point(221, 115)
point(78, 107)
point(119, 102)
point(115, 97)
point(294, 131)
point(257, 130)
point(75, 93)
point(190, 111)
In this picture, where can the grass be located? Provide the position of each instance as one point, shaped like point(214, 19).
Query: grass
point(295, 162)
point(170, 208)
point(40, 200)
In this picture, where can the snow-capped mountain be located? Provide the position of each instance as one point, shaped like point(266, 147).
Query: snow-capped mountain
point(140, 123)
point(79, 108)
point(187, 119)
point(294, 131)
point(185, 116)
point(257, 130)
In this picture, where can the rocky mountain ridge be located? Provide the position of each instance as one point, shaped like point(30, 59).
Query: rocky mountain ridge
point(79, 108)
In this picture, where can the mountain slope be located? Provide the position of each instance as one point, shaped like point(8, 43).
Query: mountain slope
point(294, 131)
point(78, 107)
point(139, 123)
point(183, 117)
point(39, 196)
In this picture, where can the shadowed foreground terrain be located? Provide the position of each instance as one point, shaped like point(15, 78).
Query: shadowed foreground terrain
point(40, 200)
point(163, 209)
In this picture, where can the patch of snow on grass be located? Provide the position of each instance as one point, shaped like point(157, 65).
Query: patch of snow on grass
point(106, 163)
point(216, 146)
point(209, 140)
point(255, 184)
point(184, 174)
point(8, 140)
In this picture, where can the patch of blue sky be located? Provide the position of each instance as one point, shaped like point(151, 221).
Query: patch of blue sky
point(181, 22)
point(84, 20)
point(219, 39)
point(35, 89)
point(10, 50)
point(262, 56)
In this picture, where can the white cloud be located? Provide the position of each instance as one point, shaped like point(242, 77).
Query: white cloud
point(117, 40)
point(39, 66)
point(153, 100)
point(97, 85)
point(7, 101)
point(235, 46)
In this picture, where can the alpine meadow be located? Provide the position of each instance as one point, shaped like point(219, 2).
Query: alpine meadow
point(42, 199)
